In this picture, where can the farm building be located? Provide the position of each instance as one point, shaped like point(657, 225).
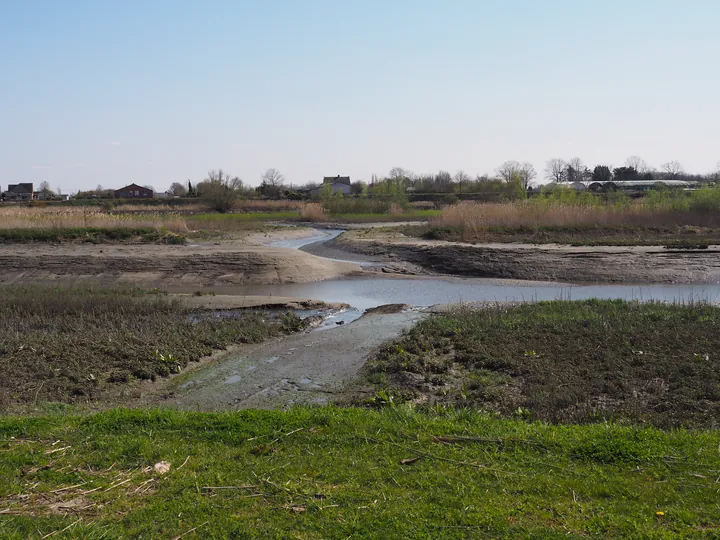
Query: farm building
point(133, 191)
point(639, 186)
point(339, 184)
point(22, 192)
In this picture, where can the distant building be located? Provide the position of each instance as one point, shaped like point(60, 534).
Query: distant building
point(640, 186)
point(339, 184)
point(133, 191)
point(23, 192)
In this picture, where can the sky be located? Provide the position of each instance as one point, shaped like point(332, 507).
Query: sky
point(94, 92)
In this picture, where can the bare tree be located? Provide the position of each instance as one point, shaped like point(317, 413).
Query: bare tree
point(527, 174)
point(220, 190)
point(45, 188)
point(575, 170)
point(673, 168)
point(555, 170)
point(509, 170)
point(399, 176)
point(462, 178)
point(637, 163)
point(177, 189)
point(272, 178)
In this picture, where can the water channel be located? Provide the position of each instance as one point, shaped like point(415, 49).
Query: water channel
point(367, 292)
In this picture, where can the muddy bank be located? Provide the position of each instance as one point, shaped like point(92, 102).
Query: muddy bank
point(230, 302)
point(540, 262)
point(311, 368)
point(188, 268)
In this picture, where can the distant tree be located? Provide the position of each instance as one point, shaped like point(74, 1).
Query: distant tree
point(190, 190)
point(400, 177)
point(273, 178)
point(271, 183)
point(177, 189)
point(672, 168)
point(358, 188)
point(625, 173)
point(220, 190)
point(99, 188)
point(637, 163)
point(526, 174)
point(555, 170)
point(602, 173)
point(509, 170)
point(575, 170)
point(462, 179)
point(45, 188)
point(149, 187)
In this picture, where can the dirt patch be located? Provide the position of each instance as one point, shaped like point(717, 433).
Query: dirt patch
point(226, 301)
point(540, 262)
point(387, 309)
point(174, 268)
point(307, 368)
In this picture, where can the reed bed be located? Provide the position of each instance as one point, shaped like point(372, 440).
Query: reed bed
point(476, 219)
point(85, 217)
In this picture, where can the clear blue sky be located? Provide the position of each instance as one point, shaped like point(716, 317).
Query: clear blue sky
point(100, 92)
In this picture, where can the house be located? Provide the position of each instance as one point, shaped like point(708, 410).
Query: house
point(133, 191)
point(339, 184)
point(22, 192)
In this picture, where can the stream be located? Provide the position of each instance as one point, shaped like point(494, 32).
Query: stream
point(316, 367)
point(367, 292)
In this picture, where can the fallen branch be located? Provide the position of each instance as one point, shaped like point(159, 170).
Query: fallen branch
point(69, 487)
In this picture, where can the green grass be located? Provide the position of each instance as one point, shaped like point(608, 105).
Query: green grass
point(332, 473)
point(564, 361)
point(83, 345)
point(91, 235)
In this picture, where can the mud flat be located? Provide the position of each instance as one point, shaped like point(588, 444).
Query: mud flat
point(216, 265)
point(310, 368)
point(606, 264)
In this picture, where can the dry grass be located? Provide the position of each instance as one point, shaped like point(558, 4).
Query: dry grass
point(163, 208)
point(474, 219)
point(312, 212)
point(256, 205)
point(84, 217)
point(395, 210)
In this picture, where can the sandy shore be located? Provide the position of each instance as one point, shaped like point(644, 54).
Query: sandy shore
point(200, 266)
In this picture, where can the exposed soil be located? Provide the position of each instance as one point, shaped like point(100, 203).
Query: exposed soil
point(214, 265)
point(310, 368)
point(548, 262)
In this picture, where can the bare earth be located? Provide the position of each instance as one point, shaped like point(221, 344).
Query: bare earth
point(210, 265)
point(315, 367)
point(538, 262)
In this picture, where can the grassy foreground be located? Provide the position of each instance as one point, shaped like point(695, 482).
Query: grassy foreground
point(334, 473)
point(564, 362)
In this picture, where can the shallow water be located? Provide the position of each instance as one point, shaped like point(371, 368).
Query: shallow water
point(365, 293)
point(368, 292)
